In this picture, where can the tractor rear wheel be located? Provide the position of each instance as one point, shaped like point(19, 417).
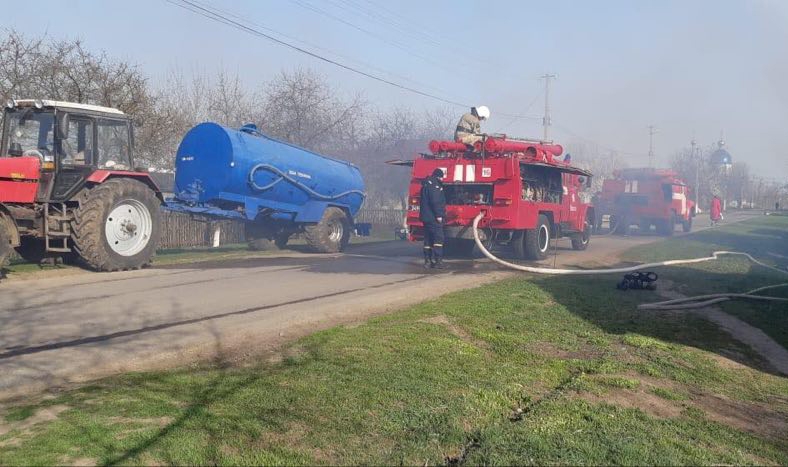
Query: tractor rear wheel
point(536, 242)
point(581, 240)
point(117, 225)
point(331, 234)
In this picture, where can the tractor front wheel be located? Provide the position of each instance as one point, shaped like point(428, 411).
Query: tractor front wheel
point(6, 240)
point(117, 225)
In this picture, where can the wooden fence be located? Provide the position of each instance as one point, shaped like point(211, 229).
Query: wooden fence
point(183, 231)
point(389, 217)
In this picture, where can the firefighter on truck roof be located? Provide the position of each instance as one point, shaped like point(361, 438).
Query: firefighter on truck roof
point(432, 212)
point(469, 128)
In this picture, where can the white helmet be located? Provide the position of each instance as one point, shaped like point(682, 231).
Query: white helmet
point(483, 112)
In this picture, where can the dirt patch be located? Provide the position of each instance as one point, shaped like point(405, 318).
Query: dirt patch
point(744, 416)
point(82, 461)
point(443, 320)
point(46, 414)
point(635, 399)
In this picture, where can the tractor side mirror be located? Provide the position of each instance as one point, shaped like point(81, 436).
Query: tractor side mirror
point(62, 126)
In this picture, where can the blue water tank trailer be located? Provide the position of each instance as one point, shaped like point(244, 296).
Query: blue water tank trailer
point(276, 188)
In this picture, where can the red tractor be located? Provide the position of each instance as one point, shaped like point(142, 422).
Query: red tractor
point(528, 196)
point(68, 187)
point(646, 197)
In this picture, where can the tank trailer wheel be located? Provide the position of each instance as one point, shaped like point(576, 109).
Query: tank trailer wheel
point(257, 237)
point(117, 225)
point(581, 240)
point(281, 241)
point(331, 234)
point(536, 242)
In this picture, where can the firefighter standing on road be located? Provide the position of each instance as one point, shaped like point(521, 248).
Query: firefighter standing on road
point(432, 212)
point(469, 128)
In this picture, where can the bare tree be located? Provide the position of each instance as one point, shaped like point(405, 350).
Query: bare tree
point(302, 108)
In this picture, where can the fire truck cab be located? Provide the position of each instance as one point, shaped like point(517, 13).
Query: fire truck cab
point(646, 197)
point(527, 195)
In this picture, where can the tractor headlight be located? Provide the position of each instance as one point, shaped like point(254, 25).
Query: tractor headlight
point(10, 103)
point(39, 104)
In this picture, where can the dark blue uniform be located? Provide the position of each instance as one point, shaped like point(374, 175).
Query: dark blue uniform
point(433, 207)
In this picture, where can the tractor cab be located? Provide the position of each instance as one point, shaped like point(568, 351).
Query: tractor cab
point(67, 187)
point(62, 144)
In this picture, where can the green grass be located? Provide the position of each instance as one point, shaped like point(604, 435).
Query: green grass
point(526, 370)
point(766, 238)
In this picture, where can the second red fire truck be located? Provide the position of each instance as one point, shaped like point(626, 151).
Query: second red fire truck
point(528, 195)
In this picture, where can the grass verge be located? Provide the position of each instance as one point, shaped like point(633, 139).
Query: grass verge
point(527, 370)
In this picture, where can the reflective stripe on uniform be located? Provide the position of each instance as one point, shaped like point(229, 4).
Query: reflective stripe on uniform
point(437, 244)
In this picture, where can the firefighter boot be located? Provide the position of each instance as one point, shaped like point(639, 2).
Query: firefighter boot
point(427, 257)
point(437, 254)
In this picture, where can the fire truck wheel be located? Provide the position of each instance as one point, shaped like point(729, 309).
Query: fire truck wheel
point(459, 248)
point(686, 225)
point(667, 226)
point(117, 225)
point(331, 234)
point(580, 241)
point(536, 242)
point(619, 225)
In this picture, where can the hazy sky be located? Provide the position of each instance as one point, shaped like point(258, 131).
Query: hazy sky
point(687, 67)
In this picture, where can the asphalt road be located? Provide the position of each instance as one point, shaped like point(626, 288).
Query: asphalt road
point(56, 331)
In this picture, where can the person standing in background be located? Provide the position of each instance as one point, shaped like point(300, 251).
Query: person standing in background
point(716, 210)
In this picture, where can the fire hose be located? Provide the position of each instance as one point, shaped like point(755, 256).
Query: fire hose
point(283, 176)
point(652, 306)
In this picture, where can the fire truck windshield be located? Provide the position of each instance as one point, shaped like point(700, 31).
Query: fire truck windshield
point(29, 130)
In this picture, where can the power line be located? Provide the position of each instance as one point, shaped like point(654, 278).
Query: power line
point(313, 46)
point(218, 17)
point(392, 43)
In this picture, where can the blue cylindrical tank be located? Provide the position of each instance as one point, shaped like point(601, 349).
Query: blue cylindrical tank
point(220, 166)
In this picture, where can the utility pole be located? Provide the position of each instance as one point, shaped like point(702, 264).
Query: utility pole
point(547, 120)
point(651, 131)
point(694, 156)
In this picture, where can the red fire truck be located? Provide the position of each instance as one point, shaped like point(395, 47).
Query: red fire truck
point(529, 197)
point(646, 197)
